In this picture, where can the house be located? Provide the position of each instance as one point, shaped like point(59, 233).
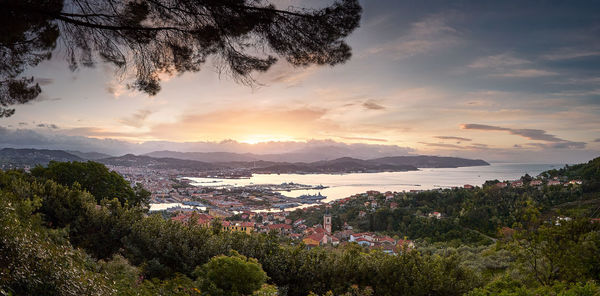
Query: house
point(517, 183)
point(389, 195)
point(298, 222)
point(199, 219)
point(317, 239)
point(364, 235)
point(576, 182)
point(436, 215)
point(404, 245)
point(553, 182)
point(468, 186)
point(559, 219)
point(536, 183)
point(313, 240)
point(374, 204)
point(501, 185)
point(281, 228)
point(393, 205)
point(246, 227)
point(363, 242)
point(385, 240)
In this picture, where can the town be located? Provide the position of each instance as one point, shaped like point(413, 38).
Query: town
point(296, 227)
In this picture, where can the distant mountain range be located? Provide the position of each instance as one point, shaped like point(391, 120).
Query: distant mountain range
point(214, 161)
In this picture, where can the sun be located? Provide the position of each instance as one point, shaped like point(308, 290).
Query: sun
point(261, 138)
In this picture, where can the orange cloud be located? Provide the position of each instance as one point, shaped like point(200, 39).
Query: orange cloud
point(299, 123)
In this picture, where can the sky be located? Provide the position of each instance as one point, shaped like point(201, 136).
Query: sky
point(509, 81)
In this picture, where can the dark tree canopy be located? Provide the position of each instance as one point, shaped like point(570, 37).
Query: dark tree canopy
point(149, 37)
point(96, 179)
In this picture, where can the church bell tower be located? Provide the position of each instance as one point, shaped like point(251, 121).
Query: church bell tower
point(327, 221)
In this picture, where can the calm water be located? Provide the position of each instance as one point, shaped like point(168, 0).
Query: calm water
point(344, 185)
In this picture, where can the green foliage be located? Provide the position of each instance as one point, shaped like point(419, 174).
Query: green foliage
point(505, 286)
point(231, 275)
point(95, 178)
point(34, 262)
point(266, 290)
point(569, 251)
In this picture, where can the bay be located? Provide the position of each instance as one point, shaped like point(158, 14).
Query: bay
point(344, 185)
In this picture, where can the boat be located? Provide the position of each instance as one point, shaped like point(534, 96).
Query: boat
point(318, 196)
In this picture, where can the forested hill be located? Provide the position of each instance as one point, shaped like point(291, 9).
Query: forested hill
point(589, 171)
point(426, 161)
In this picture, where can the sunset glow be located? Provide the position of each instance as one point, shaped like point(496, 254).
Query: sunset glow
point(419, 74)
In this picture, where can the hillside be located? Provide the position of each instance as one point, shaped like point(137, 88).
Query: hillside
point(228, 161)
point(426, 161)
point(10, 157)
point(340, 165)
point(130, 160)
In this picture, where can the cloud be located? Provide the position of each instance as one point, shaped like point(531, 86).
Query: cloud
point(531, 134)
point(442, 145)
point(44, 125)
point(45, 139)
point(570, 53)
point(452, 138)
point(497, 61)
point(371, 105)
point(479, 145)
point(364, 139)
point(247, 124)
point(429, 34)
point(474, 146)
point(137, 119)
point(560, 145)
point(525, 73)
point(578, 93)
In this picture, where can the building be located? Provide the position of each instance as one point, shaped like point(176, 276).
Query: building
point(280, 228)
point(327, 221)
point(246, 227)
point(517, 183)
point(553, 182)
point(535, 183)
point(317, 239)
point(436, 215)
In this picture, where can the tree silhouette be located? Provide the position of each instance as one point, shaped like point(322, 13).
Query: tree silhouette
point(150, 37)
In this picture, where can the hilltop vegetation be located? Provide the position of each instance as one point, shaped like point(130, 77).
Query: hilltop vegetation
point(57, 238)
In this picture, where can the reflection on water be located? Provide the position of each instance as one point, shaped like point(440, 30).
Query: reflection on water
point(344, 185)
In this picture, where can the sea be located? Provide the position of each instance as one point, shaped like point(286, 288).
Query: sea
point(344, 185)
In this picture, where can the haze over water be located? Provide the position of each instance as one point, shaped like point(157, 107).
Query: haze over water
point(344, 185)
